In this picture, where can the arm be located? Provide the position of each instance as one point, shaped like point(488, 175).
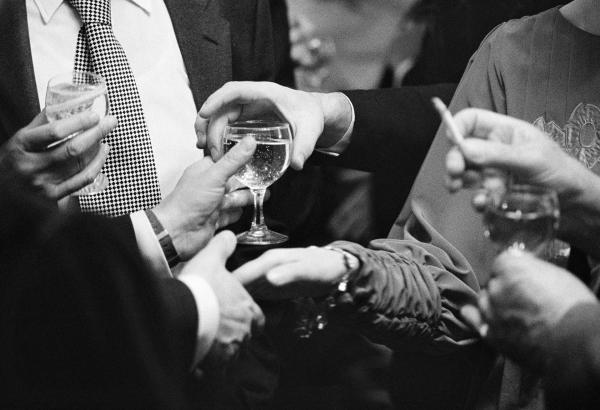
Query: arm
point(408, 292)
point(393, 128)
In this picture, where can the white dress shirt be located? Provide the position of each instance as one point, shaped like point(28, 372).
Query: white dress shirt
point(144, 29)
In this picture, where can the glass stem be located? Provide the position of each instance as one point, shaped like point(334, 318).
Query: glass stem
point(258, 223)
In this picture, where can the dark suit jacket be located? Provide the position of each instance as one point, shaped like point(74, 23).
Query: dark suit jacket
point(220, 40)
point(82, 322)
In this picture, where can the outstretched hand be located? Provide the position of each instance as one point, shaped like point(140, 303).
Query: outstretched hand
point(289, 273)
point(239, 316)
point(314, 118)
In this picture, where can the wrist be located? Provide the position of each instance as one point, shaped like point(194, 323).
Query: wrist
point(337, 117)
point(351, 265)
point(164, 238)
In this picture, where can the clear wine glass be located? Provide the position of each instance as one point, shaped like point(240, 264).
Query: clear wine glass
point(72, 93)
point(523, 217)
point(269, 162)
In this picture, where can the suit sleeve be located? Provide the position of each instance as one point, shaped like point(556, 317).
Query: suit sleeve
point(393, 128)
point(84, 324)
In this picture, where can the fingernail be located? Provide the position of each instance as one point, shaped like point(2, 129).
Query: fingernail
point(248, 144)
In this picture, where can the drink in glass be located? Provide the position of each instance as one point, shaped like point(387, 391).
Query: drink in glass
point(269, 162)
point(73, 93)
point(524, 217)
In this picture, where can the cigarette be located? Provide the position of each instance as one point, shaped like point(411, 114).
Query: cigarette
point(447, 119)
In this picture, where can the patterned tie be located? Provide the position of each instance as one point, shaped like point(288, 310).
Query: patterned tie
point(130, 165)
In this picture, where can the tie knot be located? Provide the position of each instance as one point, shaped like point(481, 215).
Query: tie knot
point(93, 11)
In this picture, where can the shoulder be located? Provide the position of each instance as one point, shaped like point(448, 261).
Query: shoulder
point(518, 35)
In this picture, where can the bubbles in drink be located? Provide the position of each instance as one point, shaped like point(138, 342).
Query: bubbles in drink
point(269, 162)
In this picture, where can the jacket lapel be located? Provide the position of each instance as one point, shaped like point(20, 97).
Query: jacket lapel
point(18, 93)
point(205, 44)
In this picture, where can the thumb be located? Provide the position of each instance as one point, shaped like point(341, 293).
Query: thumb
point(231, 162)
point(220, 247)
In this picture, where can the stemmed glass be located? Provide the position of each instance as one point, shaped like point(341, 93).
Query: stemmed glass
point(72, 93)
point(269, 162)
point(523, 217)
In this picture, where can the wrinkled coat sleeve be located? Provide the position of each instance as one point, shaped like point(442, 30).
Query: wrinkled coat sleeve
point(408, 292)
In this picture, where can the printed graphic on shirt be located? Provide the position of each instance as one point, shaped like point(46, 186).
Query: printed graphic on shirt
point(579, 137)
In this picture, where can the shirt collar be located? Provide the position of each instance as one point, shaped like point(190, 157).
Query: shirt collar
point(48, 8)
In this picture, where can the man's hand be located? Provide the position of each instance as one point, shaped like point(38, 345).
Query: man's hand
point(201, 202)
point(510, 145)
point(289, 273)
point(240, 316)
point(315, 118)
point(68, 166)
point(523, 302)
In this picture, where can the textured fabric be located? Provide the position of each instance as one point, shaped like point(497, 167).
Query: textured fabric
point(130, 165)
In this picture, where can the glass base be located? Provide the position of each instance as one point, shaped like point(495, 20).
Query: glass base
point(261, 237)
point(100, 184)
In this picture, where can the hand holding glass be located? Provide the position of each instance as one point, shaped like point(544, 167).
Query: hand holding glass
point(72, 93)
point(269, 162)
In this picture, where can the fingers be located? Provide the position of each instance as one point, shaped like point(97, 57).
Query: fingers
point(234, 92)
point(473, 317)
point(455, 162)
point(227, 218)
point(76, 147)
point(258, 323)
point(479, 123)
point(231, 162)
point(237, 199)
point(221, 246)
point(38, 120)
point(216, 130)
point(286, 274)
point(38, 138)
point(254, 270)
point(83, 178)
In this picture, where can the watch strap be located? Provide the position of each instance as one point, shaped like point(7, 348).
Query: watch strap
point(164, 239)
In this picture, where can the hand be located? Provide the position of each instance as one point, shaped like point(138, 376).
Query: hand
point(523, 302)
point(313, 117)
point(201, 201)
point(290, 273)
point(240, 316)
point(510, 145)
point(67, 167)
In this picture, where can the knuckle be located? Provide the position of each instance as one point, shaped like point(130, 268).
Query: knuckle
point(54, 130)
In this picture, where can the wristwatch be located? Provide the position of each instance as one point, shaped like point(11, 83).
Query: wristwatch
point(351, 262)
point(164, 239)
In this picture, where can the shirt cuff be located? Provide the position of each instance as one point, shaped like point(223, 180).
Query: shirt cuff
point(208, 314)
point(148, 244)
point(336, 149)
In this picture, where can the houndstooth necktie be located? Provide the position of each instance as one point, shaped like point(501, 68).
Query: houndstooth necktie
point(130, 165)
